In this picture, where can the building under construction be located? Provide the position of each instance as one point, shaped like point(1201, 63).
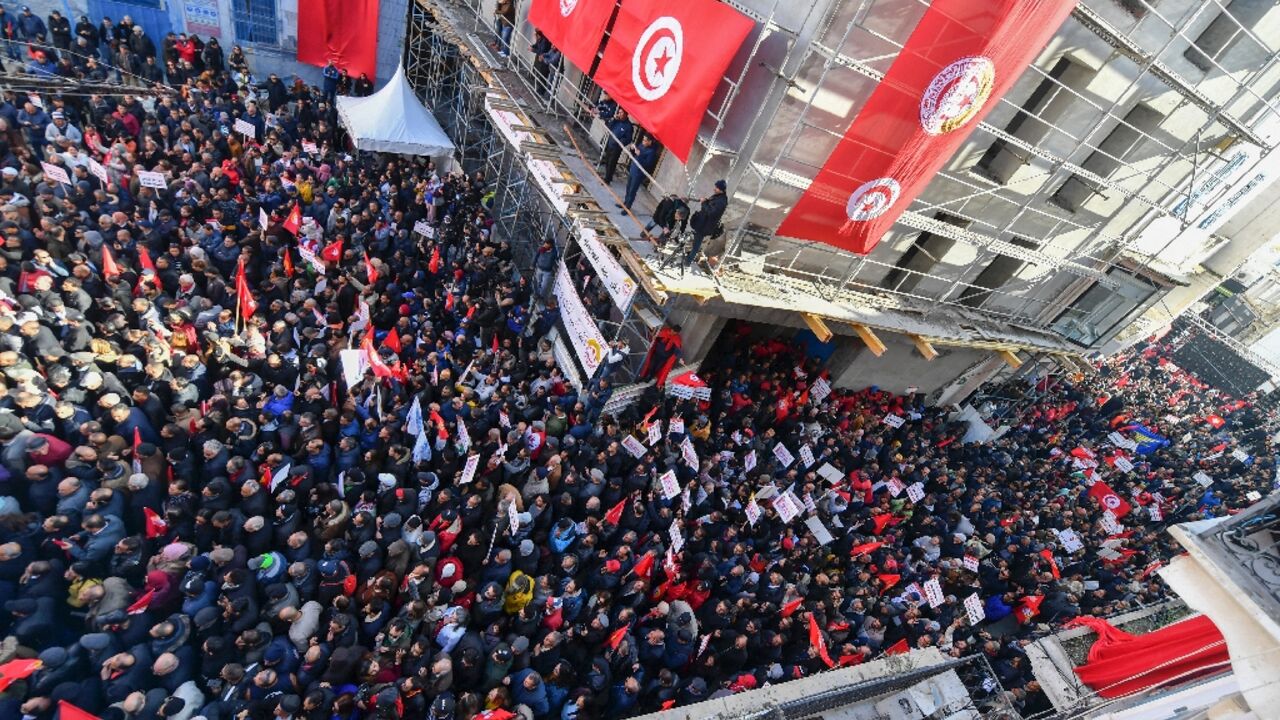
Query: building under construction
point(1127, 172)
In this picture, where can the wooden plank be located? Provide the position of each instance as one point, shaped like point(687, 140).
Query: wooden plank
point(924, 347)
point(818, 327)
point(1010, 359)
point(869, 337)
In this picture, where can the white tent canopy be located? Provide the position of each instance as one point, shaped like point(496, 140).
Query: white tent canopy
point(393, 120)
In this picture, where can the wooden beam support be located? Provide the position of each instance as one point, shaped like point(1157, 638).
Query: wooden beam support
point(1010, 358)
point(818, 327)
point(869, 337)
point(924, 347)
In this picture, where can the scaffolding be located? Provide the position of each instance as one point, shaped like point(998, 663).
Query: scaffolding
point(463, 84)
point(772, 123)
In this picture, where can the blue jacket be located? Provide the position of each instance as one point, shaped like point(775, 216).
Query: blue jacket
point(621, 132)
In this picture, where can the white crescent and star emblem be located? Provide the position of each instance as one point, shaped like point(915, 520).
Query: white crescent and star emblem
point(567, 6)
point(1111, 501)
point(656, 60)
point(956, 94)
point(873, 199)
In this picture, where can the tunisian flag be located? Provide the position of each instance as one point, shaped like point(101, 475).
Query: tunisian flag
point(576, 27)
point(344, 31)
point(959, 61)
point(664, 60)
point(1109, 500)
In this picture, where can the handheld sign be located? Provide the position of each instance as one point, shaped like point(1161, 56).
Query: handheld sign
point(633, 446)
point(469, 470)
point(973, 606)
point(246, 128)
point(54, 172)
point(893, 421)
point(98, 171)
point(670, 488)
point(784, 456)
point(150, 179)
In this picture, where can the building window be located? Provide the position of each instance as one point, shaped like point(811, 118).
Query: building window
point(145, 3)
point(1114, 150)
point(255, 21)
point(1095, 315)
point(1046, 104)
point(1225, 31)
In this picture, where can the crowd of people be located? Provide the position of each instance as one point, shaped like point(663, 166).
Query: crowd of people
point(269, 452)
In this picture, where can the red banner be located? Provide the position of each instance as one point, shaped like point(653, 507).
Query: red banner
point(647, 70)
point(959, 61)
point(575, 27)
point(344, 31)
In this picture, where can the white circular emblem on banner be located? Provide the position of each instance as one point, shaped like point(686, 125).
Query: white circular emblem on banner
point(873, 199)
point(1111, 501)
point(567, 6)
point(656, 60)
point(957, 94)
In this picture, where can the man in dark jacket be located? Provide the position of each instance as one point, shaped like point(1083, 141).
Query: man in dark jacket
point(706, 222)
point(641, 168)
point(621, 132)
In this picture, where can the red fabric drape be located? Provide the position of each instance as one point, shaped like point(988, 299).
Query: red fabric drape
point(1120, 663)
point(345, 31)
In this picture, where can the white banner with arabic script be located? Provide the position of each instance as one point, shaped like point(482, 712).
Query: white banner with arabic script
point(616, 281)
point(584, 336)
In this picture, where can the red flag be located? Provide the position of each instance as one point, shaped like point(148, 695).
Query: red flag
point(392, 341)
point(1109, 500)
point(109, 267)
point(865, 548)
point(137, 440)
point(67, 711)
point(882, 520)
point(1047, 554)
point(899, 648)
point(616, 637)
point(1028, 607)
point(819, 643)
point(140, 605)
point(448, 302)
point(248, 306)
point(144, 259)
point(370, 271)
point(288, 262)
point(496, 345)
point(156, 525)
point(15, 670)
point(332, 252)
point(790, 608)
point(344, 32)
point(1216, 421)
point(293, 223)
point(442, 430)
point(646, 69)
point(644, 567)
point(958, 62)
point(371, 356)
point(433, 265)
point(889, 580)
point(615, 513)
point(574, 27)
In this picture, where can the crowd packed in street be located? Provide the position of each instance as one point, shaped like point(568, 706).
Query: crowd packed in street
point(284, 436)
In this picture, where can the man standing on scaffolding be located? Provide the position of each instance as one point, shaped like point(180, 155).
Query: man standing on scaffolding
point(706, 222)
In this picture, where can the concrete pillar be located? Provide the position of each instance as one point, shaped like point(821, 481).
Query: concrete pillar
point(699, 331)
